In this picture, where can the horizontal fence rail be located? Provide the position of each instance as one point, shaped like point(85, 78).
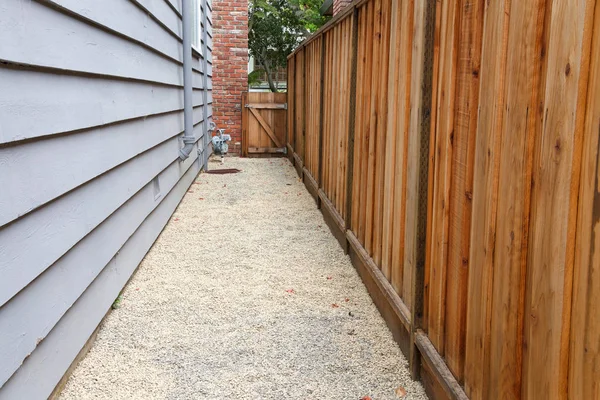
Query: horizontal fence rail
point(453, 147)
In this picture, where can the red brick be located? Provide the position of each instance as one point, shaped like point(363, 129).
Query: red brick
point(230, 65)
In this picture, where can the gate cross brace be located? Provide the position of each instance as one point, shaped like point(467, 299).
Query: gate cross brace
point(265, 126)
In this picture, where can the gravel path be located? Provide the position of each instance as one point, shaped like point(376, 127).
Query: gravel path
point(245, 295)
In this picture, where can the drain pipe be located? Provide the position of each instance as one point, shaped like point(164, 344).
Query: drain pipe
point(188, 113)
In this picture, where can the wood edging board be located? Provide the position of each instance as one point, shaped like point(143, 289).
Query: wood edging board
point(435, 373)
point(312, 186)
point(334, 220)
point(389, 307)
point(290, 152)
point(298, 164)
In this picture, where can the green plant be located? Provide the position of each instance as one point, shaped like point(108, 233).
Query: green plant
point(254, 78)
point(117, 303)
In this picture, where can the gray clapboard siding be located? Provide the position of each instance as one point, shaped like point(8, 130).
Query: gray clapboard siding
point(81, 157)
point(120, 16)
point(38, 103)
point(50, 295)
point(163, 13)
point(55, 353)
point(40, 238)
point(31, 30)
point(176, 4)
point(91, 106)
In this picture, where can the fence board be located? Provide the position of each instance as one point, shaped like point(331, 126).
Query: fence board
point(550, 263)
point(468, 48)
point(291, 115)
point(485, 196)
point(584, 359)
point(299, 115)
point(445, 86)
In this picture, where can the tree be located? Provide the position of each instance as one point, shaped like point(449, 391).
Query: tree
point(277, 27)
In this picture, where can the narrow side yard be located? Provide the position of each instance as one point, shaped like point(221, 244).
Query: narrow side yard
point(245, 295)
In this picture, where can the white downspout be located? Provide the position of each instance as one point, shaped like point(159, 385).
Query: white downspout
point(188, 118)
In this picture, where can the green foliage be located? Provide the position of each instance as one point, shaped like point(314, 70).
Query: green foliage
point(117, 303)
point(277, 27)
point(254, 78)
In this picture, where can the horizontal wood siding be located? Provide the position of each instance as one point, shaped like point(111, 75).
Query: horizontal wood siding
point(91, 116)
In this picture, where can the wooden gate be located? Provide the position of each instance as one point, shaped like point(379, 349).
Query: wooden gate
point(264, 124)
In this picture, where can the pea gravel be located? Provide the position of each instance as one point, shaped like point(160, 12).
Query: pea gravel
point(245, 295)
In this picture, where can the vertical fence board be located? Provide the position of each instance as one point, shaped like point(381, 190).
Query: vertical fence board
point(584, 360)
point(359, 143)
point(409, 193)
point(444, 124)
point(364, 128)
point(461, 190)
point(555, 175)
point(380, 128)
point(514, 188)
point(485, 195)
point(291, 115)
point(299, 102)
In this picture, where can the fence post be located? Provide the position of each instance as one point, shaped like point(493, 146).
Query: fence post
point(245, 125)
point(422, 61)
point(351, 125)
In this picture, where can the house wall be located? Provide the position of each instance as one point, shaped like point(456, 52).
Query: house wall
point(91, 120)
point(230, 65)
point(338, 5)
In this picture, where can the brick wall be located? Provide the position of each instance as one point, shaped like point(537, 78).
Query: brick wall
point(339, 4)
point(230, 65)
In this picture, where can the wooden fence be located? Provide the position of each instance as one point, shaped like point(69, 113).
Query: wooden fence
point(453, 149)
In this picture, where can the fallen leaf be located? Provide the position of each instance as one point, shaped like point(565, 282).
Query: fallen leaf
point(346, 300)
point(400, 392)
point(225, 185)
point(200, 198)
point(366, 398)
point(290, 291)
point(329, 278)
point(335, 306)
point(176, 219)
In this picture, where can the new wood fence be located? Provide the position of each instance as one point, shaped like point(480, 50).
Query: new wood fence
point(453, 149)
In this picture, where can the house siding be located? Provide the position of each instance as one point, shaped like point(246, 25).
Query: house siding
point(91, 120)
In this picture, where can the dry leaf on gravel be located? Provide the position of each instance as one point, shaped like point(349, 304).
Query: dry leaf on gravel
point(401, 392)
